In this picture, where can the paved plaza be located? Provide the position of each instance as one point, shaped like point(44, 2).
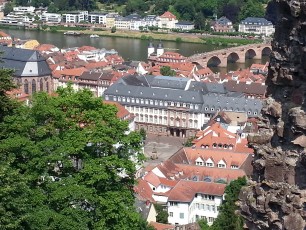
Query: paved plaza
point(164, 146)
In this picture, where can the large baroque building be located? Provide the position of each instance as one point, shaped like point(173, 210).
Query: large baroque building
point(176, 106)
point(31, 71)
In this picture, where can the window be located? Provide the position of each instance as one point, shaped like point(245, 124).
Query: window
point(26, 86)
point(221, 165)
point(234, 167)
point(173, 203)
point(33, 86)
point(210, 219)
point(137, 100)
point(171, 214)
point(199, 163)
point(181, 215)
point(141, 101)
point(209, 164)
point(41, 85)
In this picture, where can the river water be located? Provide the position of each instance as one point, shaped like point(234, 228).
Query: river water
point(128, 48)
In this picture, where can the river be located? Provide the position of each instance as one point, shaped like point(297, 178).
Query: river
point(128, 48)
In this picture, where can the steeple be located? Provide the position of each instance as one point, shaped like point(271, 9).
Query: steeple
point(160, 49)
point(151, 49)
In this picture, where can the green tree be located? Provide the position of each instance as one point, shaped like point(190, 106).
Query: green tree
point(167, 71)
point(143, 133)
point(251, 9)
point(73, 156)
point(6, 84)
point(199, 21)
point(203, 224)
point(162, 214)
point(113, 29)
point(188, 142)
point(227, 219)
point(8, 7)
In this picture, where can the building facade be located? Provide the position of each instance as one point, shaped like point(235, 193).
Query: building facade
point(259, 26)
point(31, 71)
point(175, 106)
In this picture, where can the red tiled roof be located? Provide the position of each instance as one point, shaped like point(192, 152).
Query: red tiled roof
point(95, 65)
point(168, 14)
point(214, 173)
point(143, 189)
point(86, 48)
point(122, 112)
point(152, 179)
point(169, 183)
point(44, 47)
point(230, 158)
point(160, 226)
point(185, 190)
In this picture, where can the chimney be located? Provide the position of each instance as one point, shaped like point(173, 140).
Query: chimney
point(147, 203)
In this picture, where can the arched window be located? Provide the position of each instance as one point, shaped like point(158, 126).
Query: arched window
point(26, 86)
point(41, 85)
point(33, 86)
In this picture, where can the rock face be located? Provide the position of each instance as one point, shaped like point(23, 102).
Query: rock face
point(276, 196)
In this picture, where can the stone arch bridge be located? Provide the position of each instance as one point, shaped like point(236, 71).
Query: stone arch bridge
point(235, 54)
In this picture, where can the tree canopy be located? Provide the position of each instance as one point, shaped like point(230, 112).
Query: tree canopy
point(65, 164)
point(191, 10)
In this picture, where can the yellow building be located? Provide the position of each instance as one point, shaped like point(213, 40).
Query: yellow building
point(26, 44)
point(110, 20)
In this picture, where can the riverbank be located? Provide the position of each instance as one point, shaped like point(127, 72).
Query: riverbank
point(208, 39)
point(175, 37)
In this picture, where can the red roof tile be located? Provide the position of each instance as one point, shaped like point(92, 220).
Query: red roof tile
point(168, 14)
point(122, 112)
point(160, 226)
point(185, 190)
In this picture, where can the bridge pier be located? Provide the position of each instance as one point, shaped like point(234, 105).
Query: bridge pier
point(223, 62)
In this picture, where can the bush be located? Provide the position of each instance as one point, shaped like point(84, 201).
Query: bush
point(113, 29)
point(178, 40)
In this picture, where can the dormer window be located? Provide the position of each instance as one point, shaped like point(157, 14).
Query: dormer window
point(208, 164)
point(234, 167)
point(214, 145)
point(221, 166)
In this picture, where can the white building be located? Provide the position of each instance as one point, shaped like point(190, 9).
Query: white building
point(24, 9)
point(75, 17)
point(184, 26)
point(51, 17)
point(189, 201)
point(167, 21)
point(175, 106)
point(259, 26)
point(97, 18)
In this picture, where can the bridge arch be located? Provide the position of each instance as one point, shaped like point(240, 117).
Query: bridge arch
point(250, 54)
point(266, 51)
point(233, 57)
point(214, 61)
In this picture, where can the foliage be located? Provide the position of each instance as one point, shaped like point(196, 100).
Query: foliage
point(178, 39)
point(167, 71)
point(203, 224)
point(8, 7)
point(227, 219)
point(162, 214)
point(113, 29)
point(188, 142)
point(143, 133)
point(6, 84)
point(65, 164)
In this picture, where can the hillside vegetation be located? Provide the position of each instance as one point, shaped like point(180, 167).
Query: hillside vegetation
point(191, 10)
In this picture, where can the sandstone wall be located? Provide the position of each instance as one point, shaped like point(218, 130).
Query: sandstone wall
point(276, 198)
